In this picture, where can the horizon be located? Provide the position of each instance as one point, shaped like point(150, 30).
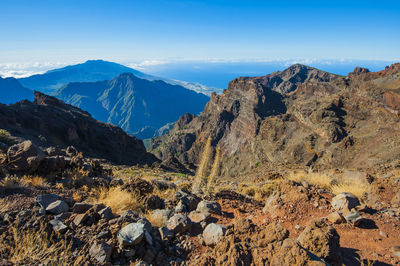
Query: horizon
point(65, 32)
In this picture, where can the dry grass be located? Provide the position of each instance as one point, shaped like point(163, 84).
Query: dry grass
point(34, 247)
point(258, 192)
point(118, 199)
point(203, 169)
point(5, 137)
point(322, 180)
point(13, 182)
point(360, 190)
point(210, 189)
point(335, 183)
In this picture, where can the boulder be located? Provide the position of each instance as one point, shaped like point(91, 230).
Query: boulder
point(213, 233)
point(57, 207)
point(131, 234)
point(46, 199)
point(24, 157)
point(81, 207)
point(345, 202)
point(335, 218)
point(209, 206)
point(322, 240)
point(101, 252)
point(179, 223)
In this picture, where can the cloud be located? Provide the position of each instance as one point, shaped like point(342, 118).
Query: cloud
point(21, 70)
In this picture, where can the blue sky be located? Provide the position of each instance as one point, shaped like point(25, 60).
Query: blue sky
point(68, 31)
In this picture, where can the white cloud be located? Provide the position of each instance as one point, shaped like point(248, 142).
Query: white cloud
point(20, 70)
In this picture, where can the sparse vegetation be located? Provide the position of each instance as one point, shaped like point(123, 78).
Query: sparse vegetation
point(203, 168)
point(35, 246)
point(118, 199)
point(5, 137)
point(214, 173)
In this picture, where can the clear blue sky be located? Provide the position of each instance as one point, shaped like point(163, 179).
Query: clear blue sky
point(50, 30)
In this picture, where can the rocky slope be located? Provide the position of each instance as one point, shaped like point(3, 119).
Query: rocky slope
point(295, 118)
point(138, 106)
point(11, 91)
point(50, 122)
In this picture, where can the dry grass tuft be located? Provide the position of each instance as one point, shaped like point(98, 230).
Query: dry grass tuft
point(258, 192)
point(336, 184)
point(118, 199)
point(35, 246)
point(360, 190)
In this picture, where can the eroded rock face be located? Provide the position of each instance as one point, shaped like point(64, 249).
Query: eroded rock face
point(49, 121)
point(293, 118)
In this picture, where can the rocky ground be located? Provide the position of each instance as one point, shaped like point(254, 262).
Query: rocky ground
point(72, 210)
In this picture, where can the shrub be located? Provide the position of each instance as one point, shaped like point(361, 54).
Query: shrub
point(5, 137)
point(118, 199)
point(34, 246)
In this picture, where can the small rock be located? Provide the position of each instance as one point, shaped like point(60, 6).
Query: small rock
point(165, 233)
point(129, 216)
point(179, 223)
point(383, 234)
point(57, 207)
point(160, 217)
point(81, 207)
point(180, 207)
point(103, 234)
point(63, 216)
point(345, 202)
point(116, 182)
point(46, 199)
point(131, 234)
point(101, 252)
point(213, 233)
point(106, 213)
point(335, 218)
point(199, 217)
point(353, 218)
point(81, 219)
point(209, 206)
point(58, 226)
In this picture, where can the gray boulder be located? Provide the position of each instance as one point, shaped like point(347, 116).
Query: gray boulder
point(179, 223)
point(209, 206)
point(213, 233)
point(24, 157)
point(57, 207)
point(345, 202)
point(131, 234)
point(101, 252)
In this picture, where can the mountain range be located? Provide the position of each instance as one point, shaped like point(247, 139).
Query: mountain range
point(141, 104)
point(138, 106)
point(299, 117)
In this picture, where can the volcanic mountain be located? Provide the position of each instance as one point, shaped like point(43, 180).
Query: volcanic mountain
point(299, 117)
point(138, 106)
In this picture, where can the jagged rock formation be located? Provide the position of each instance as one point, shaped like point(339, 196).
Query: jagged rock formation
point(138, 106)
point(50, 122)
point(295, 118)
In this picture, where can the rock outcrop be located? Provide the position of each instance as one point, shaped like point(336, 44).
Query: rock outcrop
point(49, 122)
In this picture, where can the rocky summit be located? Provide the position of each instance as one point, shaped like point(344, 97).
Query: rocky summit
point(298, 117)
point(50, 122)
